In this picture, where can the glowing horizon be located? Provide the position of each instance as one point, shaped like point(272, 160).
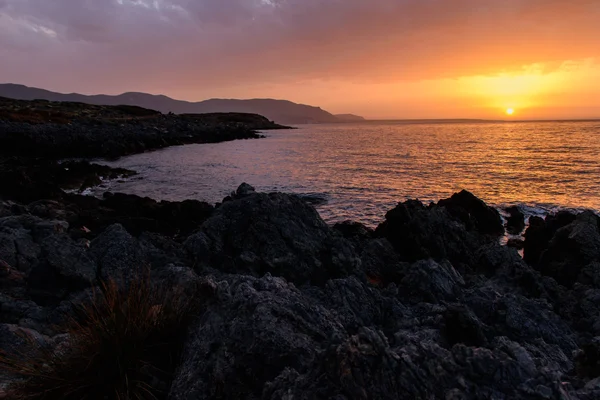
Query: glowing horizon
point(382, 59)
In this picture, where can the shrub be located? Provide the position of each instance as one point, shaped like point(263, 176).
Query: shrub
point(123, 344)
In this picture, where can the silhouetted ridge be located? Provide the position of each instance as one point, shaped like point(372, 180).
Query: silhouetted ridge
point(281, 111)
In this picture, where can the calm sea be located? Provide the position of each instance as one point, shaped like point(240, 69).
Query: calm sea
point(360, 171)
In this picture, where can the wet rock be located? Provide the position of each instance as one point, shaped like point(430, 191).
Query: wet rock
point(515, 223)
point(474, 213)
point(275, 233)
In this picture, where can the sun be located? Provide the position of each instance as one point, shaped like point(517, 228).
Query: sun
point(510, 111)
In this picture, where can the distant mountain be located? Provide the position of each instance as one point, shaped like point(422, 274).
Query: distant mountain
point(280, 111)
point(349, 117)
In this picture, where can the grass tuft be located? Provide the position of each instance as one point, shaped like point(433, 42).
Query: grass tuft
point(123, 345)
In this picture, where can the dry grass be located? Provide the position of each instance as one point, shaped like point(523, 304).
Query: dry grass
point(123, 345)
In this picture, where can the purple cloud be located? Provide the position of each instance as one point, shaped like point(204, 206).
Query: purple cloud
point(166, 45)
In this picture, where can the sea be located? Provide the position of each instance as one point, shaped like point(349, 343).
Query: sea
point(359, 171)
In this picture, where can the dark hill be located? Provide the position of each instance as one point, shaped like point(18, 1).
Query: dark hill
point(281, 111)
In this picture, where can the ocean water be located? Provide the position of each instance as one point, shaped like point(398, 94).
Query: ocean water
point(360, 171)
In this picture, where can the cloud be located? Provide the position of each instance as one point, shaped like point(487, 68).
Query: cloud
point(164, 45)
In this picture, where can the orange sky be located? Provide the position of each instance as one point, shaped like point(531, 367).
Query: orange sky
point(376, 58)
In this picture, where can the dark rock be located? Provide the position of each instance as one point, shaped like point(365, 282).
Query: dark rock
point(380, 262)
point(16, 341)
point(275, 233)
point(474, 213)
point(69, 260)
point(349, 230)
point(572, 248)
point(417, 233)
point(518, 244)
point(540, 232)
point(588, 359)
point(256, 329)
point(244, 190)
point(118, 255)
point(515, 223)
point(462, 326)
point(590, 275)
point(432, 282)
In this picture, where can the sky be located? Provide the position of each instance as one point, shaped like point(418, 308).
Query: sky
point(376, 58)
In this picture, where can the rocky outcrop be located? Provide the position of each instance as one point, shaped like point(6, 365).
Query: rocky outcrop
point(515, 223)
point(418, 232)
point(258, 233)
point(61, 130)
point(429, 306)
point(562, 246)
point(474, 213)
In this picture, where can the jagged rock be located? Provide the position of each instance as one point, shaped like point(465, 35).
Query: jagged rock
point(64, 267)
point(357, 304)
point(350, 229)
point(16, 341)
point(380, 262)
point(590, 275)
point(540, 232)
point(365, 366)
point(572, 248)
point(461, 325)
point(588, 359)
point(118, 255)
point(515, 223)
point(417, 233)
point(254, 330)
point(474, 213)
point(275, 233)
point(432, 282)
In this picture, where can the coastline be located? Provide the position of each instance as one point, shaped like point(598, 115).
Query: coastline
point(428, 304)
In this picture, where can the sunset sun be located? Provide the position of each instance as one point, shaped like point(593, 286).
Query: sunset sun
point(510, 111)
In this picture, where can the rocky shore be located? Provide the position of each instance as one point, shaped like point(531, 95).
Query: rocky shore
point(58, 130)
point(427, 306)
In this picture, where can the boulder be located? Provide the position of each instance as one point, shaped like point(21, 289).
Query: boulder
point(271, 233)
point(418, 232)
point(540, 232)
point(474, 213)
point(572, 248)
point(515, 223)
point(118, 255)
